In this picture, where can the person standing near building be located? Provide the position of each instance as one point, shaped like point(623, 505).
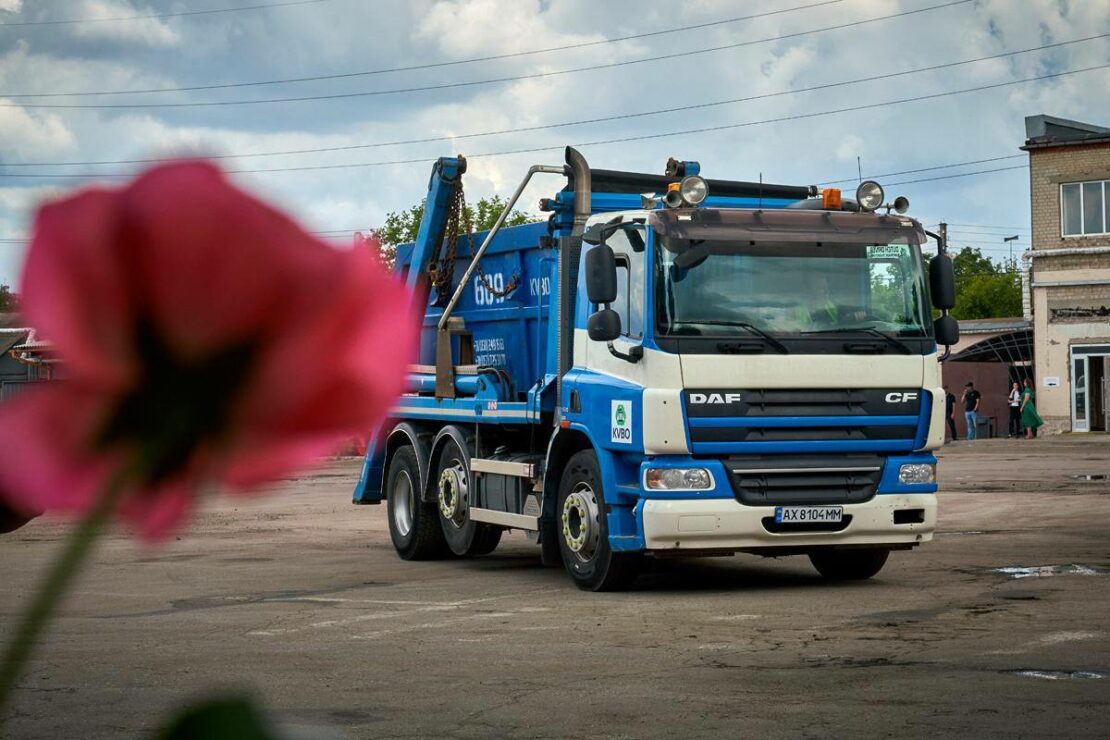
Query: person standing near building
point(1030, 419)
point(950, 412)
point(971, 399)
point(1015, 410)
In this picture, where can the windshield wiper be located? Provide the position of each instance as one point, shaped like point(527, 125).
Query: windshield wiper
point(751, 328)
point(889, 339)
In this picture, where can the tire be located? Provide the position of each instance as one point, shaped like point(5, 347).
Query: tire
point(583, 531)
point(848, 565)
point(464, 537)
point(412, 523)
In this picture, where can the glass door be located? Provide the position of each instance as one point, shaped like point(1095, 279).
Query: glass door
point(1079, 412)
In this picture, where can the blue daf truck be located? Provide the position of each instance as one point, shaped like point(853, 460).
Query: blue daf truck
point(669, 366)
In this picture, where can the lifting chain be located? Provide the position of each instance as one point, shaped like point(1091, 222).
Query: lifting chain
point(440, 272)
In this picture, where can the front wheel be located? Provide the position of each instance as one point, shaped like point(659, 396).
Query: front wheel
point(848, 565)
point(584, 532)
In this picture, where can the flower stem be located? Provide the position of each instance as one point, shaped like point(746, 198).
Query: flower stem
point(58, 579)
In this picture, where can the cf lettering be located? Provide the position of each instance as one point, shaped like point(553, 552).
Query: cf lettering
point(901, 397)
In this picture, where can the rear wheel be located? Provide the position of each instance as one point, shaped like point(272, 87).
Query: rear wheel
point(584, 532)
point(412, 523)
point(848, 565)
point(464, 536)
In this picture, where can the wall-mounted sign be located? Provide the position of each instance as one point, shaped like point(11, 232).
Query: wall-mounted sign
point(1052, 381)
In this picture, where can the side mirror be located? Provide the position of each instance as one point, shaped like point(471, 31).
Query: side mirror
point(942, 282)
point(601, 275)
point(604, 326)
point(945, 329)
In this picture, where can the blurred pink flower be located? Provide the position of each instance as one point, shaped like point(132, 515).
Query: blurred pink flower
point(205, 337)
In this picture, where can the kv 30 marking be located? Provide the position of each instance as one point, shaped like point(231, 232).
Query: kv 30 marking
point(901, 397)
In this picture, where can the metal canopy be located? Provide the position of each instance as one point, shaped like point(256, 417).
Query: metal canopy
point(1012, 347)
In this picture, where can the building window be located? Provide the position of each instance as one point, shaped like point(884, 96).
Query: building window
point(1085, 208)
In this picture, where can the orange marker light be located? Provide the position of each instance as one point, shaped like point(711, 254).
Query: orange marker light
point(830, 199)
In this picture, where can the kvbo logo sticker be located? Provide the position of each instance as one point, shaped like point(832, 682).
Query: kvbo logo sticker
point(620, 423)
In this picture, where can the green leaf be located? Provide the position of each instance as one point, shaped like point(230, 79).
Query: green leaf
point(221, 718)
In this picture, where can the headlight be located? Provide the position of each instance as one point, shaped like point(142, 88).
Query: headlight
point(678, 479)
point(693, 190)
point(869, 195)
point(917, 473)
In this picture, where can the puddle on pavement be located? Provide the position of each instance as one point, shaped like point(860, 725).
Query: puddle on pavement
point(1040, 571)
point(1090, 476)
point(1057, 675)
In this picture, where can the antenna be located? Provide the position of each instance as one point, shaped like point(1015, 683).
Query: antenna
point(761, 191)
point(859, 168)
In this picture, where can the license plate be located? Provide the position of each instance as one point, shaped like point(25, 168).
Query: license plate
point(806, 514)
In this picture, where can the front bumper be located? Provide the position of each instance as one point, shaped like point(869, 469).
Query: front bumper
point(726, 524)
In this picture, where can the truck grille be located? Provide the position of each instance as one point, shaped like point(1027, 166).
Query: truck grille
point(778, 480)
point(853, 420)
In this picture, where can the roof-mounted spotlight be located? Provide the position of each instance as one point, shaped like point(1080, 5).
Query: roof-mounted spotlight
point(870, 195)
point(694, 190)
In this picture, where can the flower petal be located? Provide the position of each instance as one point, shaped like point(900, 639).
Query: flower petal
point(49, 463)
point(74, 292)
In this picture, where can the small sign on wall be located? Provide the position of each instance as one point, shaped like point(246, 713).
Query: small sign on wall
point(1052, 381)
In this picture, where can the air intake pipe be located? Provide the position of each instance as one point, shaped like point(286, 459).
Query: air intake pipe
point(580, 171)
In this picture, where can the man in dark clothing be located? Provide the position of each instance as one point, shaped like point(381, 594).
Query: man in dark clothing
point(950, 412)
point(971, 408)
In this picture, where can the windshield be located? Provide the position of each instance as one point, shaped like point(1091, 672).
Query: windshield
point(718, 287)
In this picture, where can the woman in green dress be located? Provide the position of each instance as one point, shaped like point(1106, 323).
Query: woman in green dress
point(1030, 419)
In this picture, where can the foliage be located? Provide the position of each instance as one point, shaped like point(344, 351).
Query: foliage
point(985, 289)
point(9, 301)
point(402, 226)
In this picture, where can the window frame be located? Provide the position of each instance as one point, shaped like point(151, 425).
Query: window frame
point(1082, 211)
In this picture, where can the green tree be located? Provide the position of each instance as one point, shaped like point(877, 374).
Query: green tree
point(402, 226)
point(9, 301)
point(985, 289)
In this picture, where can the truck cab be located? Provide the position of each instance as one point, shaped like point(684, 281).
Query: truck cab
point(698, 368)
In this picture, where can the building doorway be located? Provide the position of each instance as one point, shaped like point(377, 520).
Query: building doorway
point(1090, 388)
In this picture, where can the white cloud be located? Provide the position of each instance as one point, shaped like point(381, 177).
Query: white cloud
point(25, 135)
point(146, 31)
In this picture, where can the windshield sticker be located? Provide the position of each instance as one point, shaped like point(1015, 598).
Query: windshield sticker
point(620, 424)
point(880, 251)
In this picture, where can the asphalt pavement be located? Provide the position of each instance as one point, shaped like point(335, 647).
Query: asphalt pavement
point(1000, 627)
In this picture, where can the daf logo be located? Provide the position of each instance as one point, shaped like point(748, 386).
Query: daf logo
point(718, 398)
point(901, 397)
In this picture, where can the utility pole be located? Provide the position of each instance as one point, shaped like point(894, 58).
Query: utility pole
point(942, 230)
point(1011, 240)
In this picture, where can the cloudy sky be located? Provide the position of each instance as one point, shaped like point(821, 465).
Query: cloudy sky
point(69, 69)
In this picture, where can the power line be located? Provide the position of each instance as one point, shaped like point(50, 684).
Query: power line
point(433, 65)
point(988, 226)
point(962, 174)
point(999, 234)
point(642, 137)
point(654, 112)
point(71, 21)
point(451, 85)
point(923, 169)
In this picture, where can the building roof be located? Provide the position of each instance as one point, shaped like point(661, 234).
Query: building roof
point(1043, 132)
point(993, 326)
